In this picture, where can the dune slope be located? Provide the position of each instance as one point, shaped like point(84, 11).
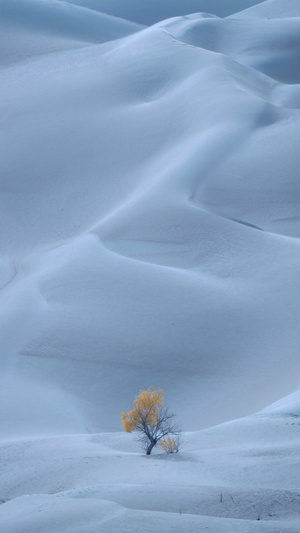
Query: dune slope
point(34, 27)
point(151, 224)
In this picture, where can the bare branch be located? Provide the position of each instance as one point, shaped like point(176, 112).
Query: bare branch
point(151, 422)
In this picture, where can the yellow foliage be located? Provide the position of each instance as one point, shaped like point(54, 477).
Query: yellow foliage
point(168, 445)
point(145, 409)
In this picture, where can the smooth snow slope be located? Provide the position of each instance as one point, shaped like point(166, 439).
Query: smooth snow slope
point(239, 477)
point(150, 214)
point(33, 27)
point(271, 46)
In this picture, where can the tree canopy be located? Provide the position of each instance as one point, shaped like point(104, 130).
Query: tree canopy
point(150, 419)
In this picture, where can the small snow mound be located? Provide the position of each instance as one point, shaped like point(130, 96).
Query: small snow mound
point(198, 30)
point(289, 405)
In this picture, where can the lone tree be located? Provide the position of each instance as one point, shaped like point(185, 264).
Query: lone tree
point(152, 421)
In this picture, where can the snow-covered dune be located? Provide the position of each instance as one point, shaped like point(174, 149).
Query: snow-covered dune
point(34, 27)
point(150, 219)
point(150, 236)
point(270, 47)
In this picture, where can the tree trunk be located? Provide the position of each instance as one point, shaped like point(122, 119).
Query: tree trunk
point(150, 447)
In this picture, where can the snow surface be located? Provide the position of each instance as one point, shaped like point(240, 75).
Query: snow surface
point(150, 236)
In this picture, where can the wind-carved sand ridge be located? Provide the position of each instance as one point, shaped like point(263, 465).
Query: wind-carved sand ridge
point(150, 236)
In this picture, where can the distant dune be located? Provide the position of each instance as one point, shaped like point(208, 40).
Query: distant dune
point(149, 13)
